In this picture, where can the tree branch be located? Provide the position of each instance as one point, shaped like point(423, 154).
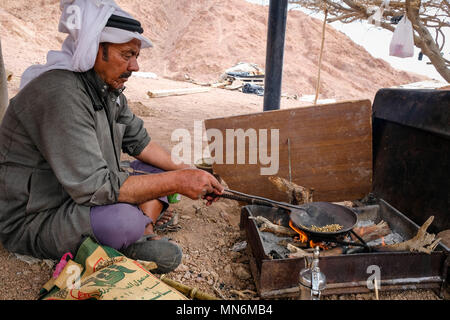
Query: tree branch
point(434, 16)
point(428, 45)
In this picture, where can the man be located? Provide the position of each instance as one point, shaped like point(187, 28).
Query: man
point(61, 178)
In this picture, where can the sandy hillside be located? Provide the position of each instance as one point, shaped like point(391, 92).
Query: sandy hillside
point(200, 38)
point(203, 38)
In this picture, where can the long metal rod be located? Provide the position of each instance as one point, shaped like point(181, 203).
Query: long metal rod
point(289, 159)
point(276, 31)
point(362, 241)
point(272, 203)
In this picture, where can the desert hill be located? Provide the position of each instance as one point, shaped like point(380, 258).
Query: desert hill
point(203, 38)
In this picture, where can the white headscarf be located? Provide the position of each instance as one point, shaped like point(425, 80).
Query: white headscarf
point(84, 21)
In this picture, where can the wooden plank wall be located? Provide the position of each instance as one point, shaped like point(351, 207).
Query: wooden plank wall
point(330, 150)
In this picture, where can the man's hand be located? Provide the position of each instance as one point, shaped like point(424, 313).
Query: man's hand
point(196, 184)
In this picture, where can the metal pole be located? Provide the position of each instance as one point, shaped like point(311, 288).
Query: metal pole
point(274, 54)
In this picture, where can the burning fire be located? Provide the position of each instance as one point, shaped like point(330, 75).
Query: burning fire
point(303, 238)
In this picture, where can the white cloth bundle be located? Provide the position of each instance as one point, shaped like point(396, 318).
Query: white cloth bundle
point(84, 21)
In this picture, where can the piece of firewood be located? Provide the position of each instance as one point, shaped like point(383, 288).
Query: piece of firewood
point(296, 194)
point(189, 292)
point(421, 242)
point(300, 253)
point(297, 252)
point(445, 237)
point(332, 252)
point(176, 92)
point(243, 294)
point(267, 226)
point(294, 243)
point(373, 232)
point(220, 85)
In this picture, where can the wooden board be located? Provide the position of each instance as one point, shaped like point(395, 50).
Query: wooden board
point(176, 92)
point(330, 150)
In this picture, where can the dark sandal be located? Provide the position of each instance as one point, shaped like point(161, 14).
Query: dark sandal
point(167, 225)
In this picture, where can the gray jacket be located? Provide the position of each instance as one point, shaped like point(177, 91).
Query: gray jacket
point(60, 146)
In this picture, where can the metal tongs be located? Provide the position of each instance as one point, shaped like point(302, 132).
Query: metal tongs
point(306, 211)
point(251, 199)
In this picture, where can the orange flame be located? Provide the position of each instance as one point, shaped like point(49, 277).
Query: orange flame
point(361, 231)
point(302, 237)
point(313, 244)
point(382, 241)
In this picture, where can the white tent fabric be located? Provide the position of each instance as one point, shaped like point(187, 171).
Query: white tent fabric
point(84, 21)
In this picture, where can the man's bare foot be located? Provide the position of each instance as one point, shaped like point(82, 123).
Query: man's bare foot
point(153, 209)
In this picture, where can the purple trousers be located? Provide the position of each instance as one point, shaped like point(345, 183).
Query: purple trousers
point(121, 224)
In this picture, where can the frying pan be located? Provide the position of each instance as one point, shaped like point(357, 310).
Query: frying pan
point(321, 214)
point(304, 216)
